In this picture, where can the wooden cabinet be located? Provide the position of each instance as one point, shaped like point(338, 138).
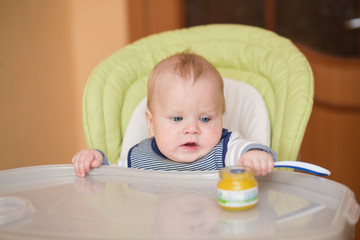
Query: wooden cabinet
point(148, 17)
point(332, 138)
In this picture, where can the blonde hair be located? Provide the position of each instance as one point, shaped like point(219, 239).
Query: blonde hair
point(189, 67)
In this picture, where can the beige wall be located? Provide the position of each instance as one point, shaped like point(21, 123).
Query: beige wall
point(47, 50)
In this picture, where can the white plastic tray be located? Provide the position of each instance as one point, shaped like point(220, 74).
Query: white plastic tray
point(120, 203)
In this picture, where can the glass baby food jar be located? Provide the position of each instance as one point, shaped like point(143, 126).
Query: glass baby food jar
point(237, 188)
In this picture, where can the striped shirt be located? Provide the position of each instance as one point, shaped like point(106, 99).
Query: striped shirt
point(146, 155)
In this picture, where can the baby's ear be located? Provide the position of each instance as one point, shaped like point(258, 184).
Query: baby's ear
point(149, 122)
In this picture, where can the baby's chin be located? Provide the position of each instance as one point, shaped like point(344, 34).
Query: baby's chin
point(187, 157)
point(184, 159)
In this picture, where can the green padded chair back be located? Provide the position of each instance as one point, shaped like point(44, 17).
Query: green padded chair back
point(267, 61)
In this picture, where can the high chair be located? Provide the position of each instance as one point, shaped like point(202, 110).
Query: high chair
point(268, 86)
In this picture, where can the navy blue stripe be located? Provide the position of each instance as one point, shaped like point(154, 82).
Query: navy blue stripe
point(129, 155)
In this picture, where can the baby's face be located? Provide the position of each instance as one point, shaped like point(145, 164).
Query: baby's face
point(186, 117)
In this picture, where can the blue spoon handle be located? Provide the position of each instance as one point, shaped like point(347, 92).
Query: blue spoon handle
point(303, 166)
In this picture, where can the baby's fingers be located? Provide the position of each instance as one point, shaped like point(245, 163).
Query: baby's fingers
point(78, 161)
point(264, 166)
point(249, 163)
point(260, 168)
point(264, 169)
point(75, 161)
point(84, 165)
point(97, 161)
point(270, 163)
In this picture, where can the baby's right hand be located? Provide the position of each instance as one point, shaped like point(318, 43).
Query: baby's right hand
point(86, 159)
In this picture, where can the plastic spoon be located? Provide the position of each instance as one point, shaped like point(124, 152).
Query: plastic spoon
point(303, 166)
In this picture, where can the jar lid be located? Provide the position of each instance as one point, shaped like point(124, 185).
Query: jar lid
point(237, 173)
point(237, 170)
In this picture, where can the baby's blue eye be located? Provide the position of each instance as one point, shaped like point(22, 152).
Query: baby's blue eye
point(205, 119)
point(177, 119)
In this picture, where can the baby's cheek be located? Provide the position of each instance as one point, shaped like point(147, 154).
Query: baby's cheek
point(214, 137)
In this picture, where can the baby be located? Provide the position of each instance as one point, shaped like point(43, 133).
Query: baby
point(185, 105)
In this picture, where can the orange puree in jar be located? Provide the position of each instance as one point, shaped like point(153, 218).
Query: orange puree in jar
point(237, 188)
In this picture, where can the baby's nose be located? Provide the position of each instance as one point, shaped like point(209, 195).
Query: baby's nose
point(192, 128)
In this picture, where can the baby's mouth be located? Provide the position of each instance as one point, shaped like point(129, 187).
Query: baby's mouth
point(190, 144)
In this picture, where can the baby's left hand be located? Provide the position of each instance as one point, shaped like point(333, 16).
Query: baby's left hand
point(260, 161)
